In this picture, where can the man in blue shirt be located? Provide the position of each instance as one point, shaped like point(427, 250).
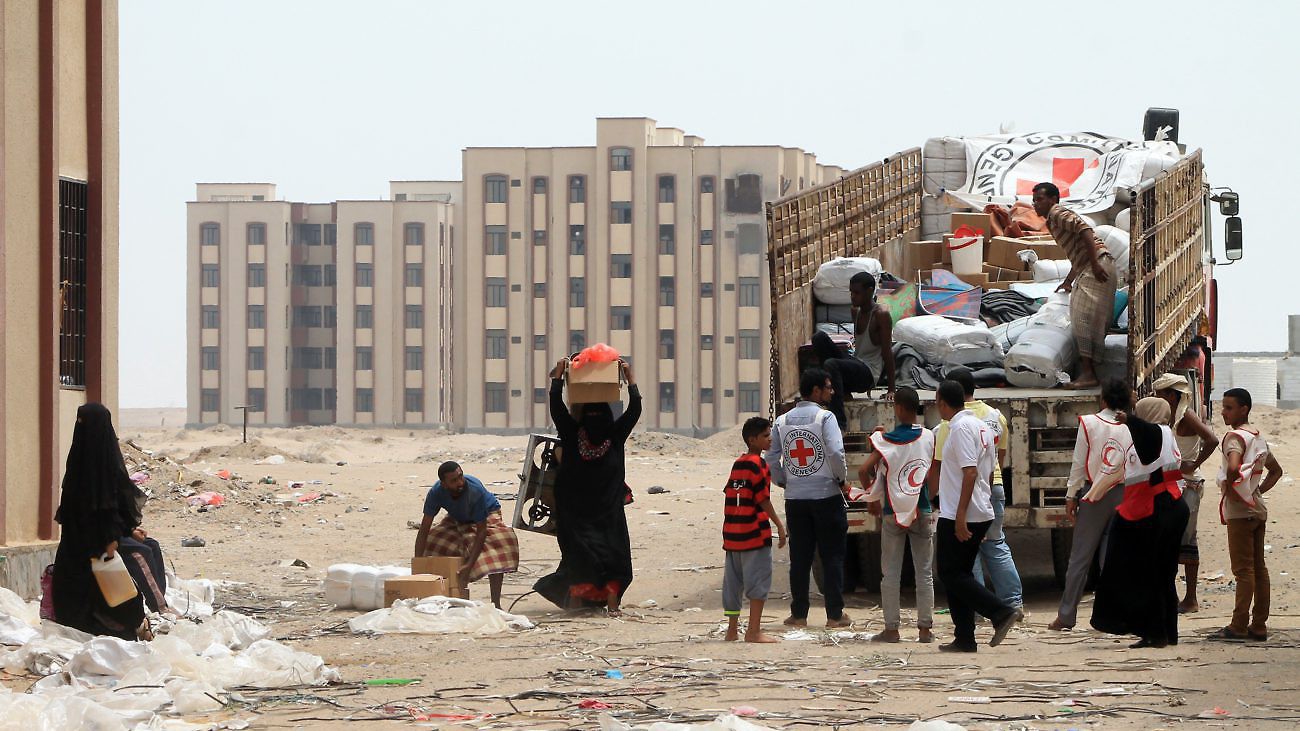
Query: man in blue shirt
point(472, 530)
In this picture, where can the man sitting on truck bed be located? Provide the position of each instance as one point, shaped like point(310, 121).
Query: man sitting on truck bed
point(873, 331)
point(1091, 280)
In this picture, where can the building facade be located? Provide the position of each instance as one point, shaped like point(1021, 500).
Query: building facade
point(58, 257)
point(331, 313)
point(649, 241)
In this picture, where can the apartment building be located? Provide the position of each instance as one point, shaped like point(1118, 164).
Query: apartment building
point(649, 241)
point(320, 313)
point(58, 257)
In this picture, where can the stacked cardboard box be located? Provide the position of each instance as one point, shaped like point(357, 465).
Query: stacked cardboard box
point(447, 567)
point(415, 586)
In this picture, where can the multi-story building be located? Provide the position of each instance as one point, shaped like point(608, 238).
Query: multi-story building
point(649, 241)
point(329, 313)
point(58, 257)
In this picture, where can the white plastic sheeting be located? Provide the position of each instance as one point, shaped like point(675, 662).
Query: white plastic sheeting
point(831, 284)
point(439, 615)
point(725, 722)
point(947, 342)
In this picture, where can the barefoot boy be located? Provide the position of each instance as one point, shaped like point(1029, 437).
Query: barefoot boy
point(746, 535)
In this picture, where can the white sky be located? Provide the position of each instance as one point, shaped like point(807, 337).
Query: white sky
point(333, 99)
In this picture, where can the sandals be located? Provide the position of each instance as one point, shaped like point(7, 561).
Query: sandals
point(1227, 635)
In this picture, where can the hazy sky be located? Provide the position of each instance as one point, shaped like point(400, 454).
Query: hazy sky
point(333, 99)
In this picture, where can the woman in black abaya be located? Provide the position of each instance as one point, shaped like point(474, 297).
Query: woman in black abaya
point(590, 493)
point(99, 506)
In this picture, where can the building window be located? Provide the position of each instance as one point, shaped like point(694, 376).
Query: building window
point(257, 358)
point(211, 275)
point(495, 345)
point(494, 240)
point(667, 345)
point(620, 212)
point(365, 400)
point(667, 238)
point(331, 275)
point(745, 194)
point(495, 292)
point(706, 342)
point(414, 317)
point(749, 292)
point(211, 317)
point(667, 292)
point(211, 359)
point(539, 186)
point(363, 234)
point(706, 395)
point(539, 237)
point(365, 275)
point(414, 400)
point(577, 341)
point(706, 289)
point(749, 345)
point(209, 233)
point(307, 234)
point(309, 358)
point(414, 275)
point(577, 292)
point(494, 189)
point(620, 266)
point(365, 317)
point(256, 400)
point(306, 399)
point(667, 189)
point(256, 234)
point(620, 318)
point(706, 237)
point(706, 184)
point(256, 275)
point(578, 240)
point(539, 342)
point(414, 358)
point(577, 189)
point(331, 318)
point(256, 317)
point(749, 400)
point(308, 275)
point(749, 238)
point(331, 239)
point(210, 399)
point(494, 398)
point(307, 316)
point(620, 158)
point(539, 289)
point(667, 398)
point(414, 234)
point(331, 361)
point(539, 395)
point(365, 358)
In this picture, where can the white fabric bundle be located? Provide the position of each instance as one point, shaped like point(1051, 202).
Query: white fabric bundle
point(1051, 270)
point(831, 285)
point(948, 343)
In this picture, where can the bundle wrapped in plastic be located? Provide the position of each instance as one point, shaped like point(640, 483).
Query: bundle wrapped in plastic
point(949, 343)
point(831, 283)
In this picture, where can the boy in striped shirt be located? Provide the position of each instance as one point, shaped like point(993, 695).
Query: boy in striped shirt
point(746, 534)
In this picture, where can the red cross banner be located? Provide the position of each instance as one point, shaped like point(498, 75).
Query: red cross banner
point(1090, 169)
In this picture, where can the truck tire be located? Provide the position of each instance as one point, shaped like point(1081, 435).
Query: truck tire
point(1062, 538)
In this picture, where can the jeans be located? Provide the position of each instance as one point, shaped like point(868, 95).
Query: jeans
point(966, 597)
point(1246, 552)
point(1091, 530)
point(995, 556)
point(893, 540)
point(821, 527)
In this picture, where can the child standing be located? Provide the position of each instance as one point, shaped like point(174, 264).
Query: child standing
point(746, 534)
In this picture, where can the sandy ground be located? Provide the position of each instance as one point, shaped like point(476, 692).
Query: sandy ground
point(674, 665)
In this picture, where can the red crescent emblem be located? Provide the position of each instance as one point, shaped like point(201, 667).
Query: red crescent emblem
point(911, 476)
point(1106, 453)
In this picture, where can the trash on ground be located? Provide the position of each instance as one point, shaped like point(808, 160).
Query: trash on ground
point(273, 459)
point(725, 722)
point(656, 490)
point(614, 674)
point(392, 681)
point(438, 615)
point(214, 499)
point(193, 542)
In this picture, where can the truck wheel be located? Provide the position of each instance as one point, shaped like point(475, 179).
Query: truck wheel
point(869, 561)
point(1062, 538)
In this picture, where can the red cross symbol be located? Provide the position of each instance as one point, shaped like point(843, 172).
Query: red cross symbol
point(801, 453)
point(1065, 170)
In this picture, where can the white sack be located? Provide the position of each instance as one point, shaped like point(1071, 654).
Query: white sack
point(831, 285)
point(1116, 241)
point(948, 343)
point(1041, 358)
point(1008, 333)
point(438, 615)
point(1051, 270)
point(1122, 220)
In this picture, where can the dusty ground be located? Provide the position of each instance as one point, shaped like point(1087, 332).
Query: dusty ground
point(668, 648)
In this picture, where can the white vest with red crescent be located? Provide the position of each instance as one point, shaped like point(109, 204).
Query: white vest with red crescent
point(905, 468)
point(1108, 444)
point(1246, 481)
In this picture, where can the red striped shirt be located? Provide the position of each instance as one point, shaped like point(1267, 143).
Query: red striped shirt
point(744, 524)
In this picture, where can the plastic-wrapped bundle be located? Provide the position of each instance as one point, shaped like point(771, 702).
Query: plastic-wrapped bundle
point(338, 584)
point(948, 343)
point(831, 284)
point(384, 574)
point(1051, 270)
point(1040, 358)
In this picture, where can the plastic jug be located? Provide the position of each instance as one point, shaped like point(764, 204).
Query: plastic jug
point(967, 248)
point(114, 581)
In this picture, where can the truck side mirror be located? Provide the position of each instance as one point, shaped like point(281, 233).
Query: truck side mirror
point(1232, 238)
point(1229, 203)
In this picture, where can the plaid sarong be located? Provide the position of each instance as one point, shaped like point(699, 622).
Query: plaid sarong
point(500, 554)
point(1092, 304)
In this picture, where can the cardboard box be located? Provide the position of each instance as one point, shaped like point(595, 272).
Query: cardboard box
point(594, 383)
point(998, 274)
point(920, 255)
point(415, 586)
point(1001, 251)
point(447, 567)
point(978, 221)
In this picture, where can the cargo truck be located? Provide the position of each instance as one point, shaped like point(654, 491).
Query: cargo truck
point(875, 212)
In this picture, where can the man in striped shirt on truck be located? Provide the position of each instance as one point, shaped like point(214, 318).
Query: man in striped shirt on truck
point(747, 535)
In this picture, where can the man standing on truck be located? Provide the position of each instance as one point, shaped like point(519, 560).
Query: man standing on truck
point(873, 332)
point(1091, 281)
point(807, 459)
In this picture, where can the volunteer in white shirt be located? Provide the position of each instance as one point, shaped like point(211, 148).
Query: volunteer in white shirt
point(1099, 449)
point(965, 514)
point(807, 459)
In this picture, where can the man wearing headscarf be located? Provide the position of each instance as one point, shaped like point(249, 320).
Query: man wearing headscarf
point(1196, 442)
point(1137, 594)
point(98, 506)
point(590, 494)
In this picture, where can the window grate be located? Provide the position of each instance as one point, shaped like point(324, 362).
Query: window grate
point(73, 248)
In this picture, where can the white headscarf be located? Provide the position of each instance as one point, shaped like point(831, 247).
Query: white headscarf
point(1182, 386)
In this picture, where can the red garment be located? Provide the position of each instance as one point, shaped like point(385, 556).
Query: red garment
point(745, 525)
point(1139, 499)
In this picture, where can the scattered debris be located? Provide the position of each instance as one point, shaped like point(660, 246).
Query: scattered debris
point(656, 490)
point(193, 542)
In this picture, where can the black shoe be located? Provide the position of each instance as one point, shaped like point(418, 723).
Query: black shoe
point(1145, 643)
point(1003, 626)
point(955, 646)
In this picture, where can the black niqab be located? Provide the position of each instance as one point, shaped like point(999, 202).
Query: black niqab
point(597, 421)
point(96, 486)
